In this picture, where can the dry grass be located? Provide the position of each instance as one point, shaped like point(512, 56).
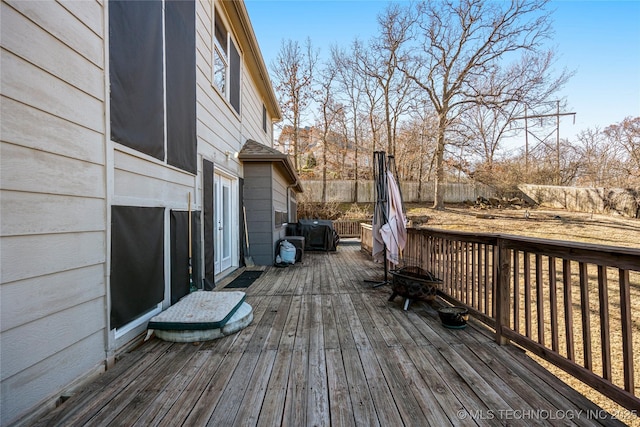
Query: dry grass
point(544, 223)
point(568, 226)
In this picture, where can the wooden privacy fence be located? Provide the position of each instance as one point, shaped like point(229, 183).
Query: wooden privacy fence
point(569, 303)
point(345, 191)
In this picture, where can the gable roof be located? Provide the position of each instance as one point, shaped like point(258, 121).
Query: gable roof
point(253, 151)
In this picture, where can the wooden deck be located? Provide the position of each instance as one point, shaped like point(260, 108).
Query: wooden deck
point(325, 348)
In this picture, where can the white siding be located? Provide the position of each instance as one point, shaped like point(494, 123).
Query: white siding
point(52, 200)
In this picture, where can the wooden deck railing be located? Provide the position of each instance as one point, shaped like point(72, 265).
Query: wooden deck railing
point(366, 238)
point(569, 303)
point(347, 228)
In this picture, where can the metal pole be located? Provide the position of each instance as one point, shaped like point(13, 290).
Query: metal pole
point(558, 142)
point(526, 142)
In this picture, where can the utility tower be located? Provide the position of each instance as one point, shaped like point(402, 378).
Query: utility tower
point(543, 140)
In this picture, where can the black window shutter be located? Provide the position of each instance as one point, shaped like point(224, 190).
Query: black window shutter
point(135, 75)
point(234, 95)
point(208, 213)
point(181, 84)
point(137, 262)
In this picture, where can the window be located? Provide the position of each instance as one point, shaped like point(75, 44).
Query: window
point(220, 65)
point(280, 218)
point(226, 64)
point(264, 118)
point(293, 207)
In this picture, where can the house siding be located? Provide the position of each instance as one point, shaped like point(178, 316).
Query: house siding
point(279, 204)
point(259, 204)
point(252, 108)
point(219, 126)
point(53, 200)
point(265, 192)
point(60, 177)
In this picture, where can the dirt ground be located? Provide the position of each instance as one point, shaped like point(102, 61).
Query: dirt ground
point(533, 222)
point(549, 224)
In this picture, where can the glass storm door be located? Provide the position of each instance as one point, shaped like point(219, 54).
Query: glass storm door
point(222, 218)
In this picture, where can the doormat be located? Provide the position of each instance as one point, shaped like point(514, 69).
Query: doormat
point(244, 280)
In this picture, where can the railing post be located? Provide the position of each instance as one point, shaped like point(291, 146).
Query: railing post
point(503, 294)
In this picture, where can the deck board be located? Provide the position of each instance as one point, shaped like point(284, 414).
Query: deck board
point(326, 348)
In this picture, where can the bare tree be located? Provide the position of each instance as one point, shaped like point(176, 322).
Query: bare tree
point(525, 86)
point(379, 63)
point(455, 44)
point(600, 161)
point(293, 71)
point(330, 110)
point(415, 145)
point(626, 134)
point(351, 87)
point(372, 97)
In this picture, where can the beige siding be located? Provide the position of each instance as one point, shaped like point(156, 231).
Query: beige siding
point(56, 372)
point(26, 83)
point(44, 50)
point(140, 181)
point(72, 213)
point(220, 128)
point(41, 172)
point(59, 178)
point(76, 34)
point(52, 200)
point(72, 288)
point(252, 112)
point(25, 257)
point(59, 330)
point(53, 134)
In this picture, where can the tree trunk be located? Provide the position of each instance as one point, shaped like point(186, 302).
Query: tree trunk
point(324, 170)
point(438, 198)
point(420, 168)
point(355, 172)
point(390, 148)
point(295, 141)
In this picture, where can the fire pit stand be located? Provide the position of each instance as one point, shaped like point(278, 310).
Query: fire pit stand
point(414, 283)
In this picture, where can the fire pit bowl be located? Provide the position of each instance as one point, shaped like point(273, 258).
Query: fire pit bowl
point(414, 283)
point(453, 317)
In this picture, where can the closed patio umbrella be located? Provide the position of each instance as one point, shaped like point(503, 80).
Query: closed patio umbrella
point(380, 209)
point(389, 222)
point(394, 232)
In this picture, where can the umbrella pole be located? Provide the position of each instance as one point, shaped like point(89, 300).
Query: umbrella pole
point(380, 171)
point(386, 272)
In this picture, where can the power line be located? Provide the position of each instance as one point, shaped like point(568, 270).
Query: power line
point(557, 115)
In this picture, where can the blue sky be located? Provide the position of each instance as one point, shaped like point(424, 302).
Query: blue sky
point(600, 40)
